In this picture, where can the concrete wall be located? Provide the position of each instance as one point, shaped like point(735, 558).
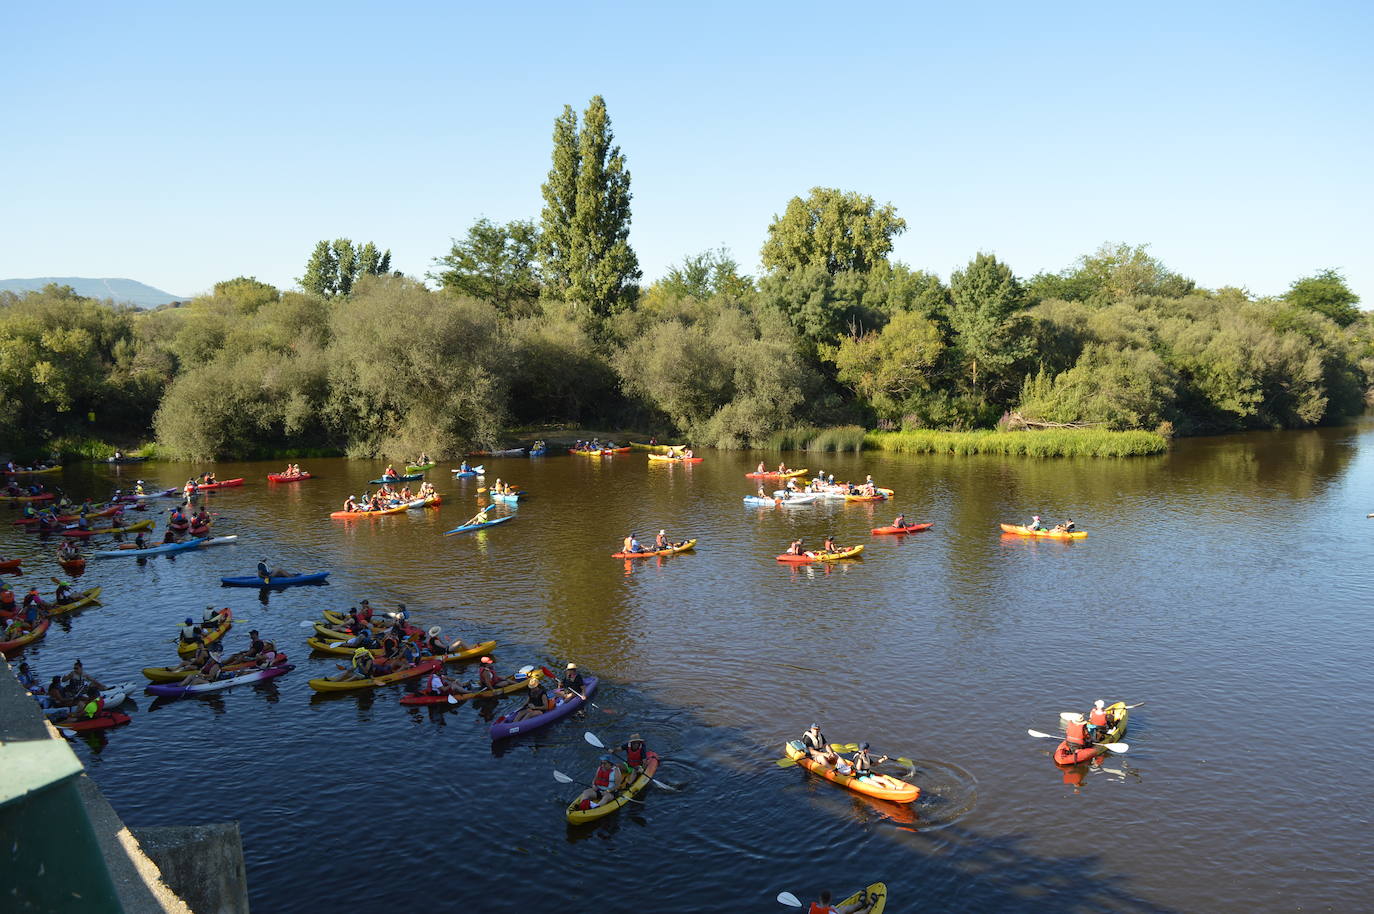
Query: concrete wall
point(201, 863)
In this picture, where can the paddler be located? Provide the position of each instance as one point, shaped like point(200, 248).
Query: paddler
point(190, 631)
point(1099, 721)
point(816, 746)
point(487, 677)
point(435, 683)
point(572, 684)
point(1035, 523)
point(823, 906)
point(64, 593)
point(630, 545)
point(661, 541)
point(1076, 733)
point(214, 618)
point(830, 544)
point(861, 765)
point(761, 470)
point(899, 522)
point(209, 672)
point(436, 646)
point(266, 576)
point(636, 751)
point(7, 605)
point(68, 551)
point(604, 782)
point(795, 548)
point(390, 472)
point(256, 647)
point(537, 701)
point(360, 666)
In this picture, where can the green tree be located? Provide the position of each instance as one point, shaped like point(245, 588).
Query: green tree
point(1326, 293)
point(833, 230)
point(246, 292)
point(1119, 388)
point(702, 276)
point(335, 266)
point(891, 369)
point(494, 264)
point(985, 305)
point(346, 256)
point(1112, 273)
point(321, 271)
point(585, 224)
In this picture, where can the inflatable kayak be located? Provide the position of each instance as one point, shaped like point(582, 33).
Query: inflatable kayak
point(669, 458)
point(252, 580)
point(788, 475)
point(761, 501)
point(909, 528)
point(1018, 530)
point(803, 559)
point(282, 477)
point(101, 721)
point(509, 498)
point(164, 549)
point(486, 523)
point(537, 452)
point(518, 683)
point(503, 728)
point(881, 786)
point(333, 685)
point(474, 471)
point(86, 599)
point(176, 673)
point(404, 477)
point(187, 649)
point(228, 682)
point(672, 550)
point(1066, 755)
point(26, 639)
point(622, 796)
point(879, 497)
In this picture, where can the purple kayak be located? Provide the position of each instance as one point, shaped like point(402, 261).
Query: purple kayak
point(503, 728)
point(227, 683)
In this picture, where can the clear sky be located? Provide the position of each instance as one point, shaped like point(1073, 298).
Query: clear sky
point(180, 144)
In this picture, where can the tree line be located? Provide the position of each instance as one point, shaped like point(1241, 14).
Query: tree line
point(545, 320)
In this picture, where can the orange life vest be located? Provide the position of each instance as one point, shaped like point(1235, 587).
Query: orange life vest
point(1077, 735)
point(1098, 717)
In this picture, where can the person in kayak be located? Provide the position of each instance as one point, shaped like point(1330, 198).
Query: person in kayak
point(34, 599)
point(436, 683)
point(463, 467)
point(1035, 523)
point(760, 469)
point(1076, 733)
point(65, 594)
point(190, 631)
point(487, 677)
point(572, 685)
point(630, 544)
point(899, 521)
point(68, 551)
point(266, 576)
point(636, 751)
point(209, 672)
point(817, 747)
point(7, 606)
point(437, 647)
point(795, 548)
point(363, 639)
point(1099, 721)
point(830, 544)
point(861, 763)
point(16, 629)
point(83, 711)
point(823, 905)
point(604, 783)
point(390, 472)
point(661, 541)
point(28, 679)
point(360, 666)
point(1066, 526)
point(537, 701)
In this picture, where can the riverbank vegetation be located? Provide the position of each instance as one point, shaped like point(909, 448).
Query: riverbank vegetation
point(545, 320)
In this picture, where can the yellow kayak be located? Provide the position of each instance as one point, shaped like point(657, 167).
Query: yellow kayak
point(208, 637)
point(86, 599)
point(340, 649)
point(1018, 530)
point(578, 816)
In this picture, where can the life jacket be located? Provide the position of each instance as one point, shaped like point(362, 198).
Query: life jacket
point(636, 756)
point(1076, 734)
point(436, 684)
point(1098, 717)
point(818, 908)
point(487, 676)
point(360, 656)
point(603, 777)
point(814, 741)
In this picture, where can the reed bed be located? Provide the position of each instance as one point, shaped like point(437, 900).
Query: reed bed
point(1068, 442)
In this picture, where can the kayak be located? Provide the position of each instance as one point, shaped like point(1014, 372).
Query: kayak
point(503, 728)
point(430, 501)
point(118, 460)
point(340, 649)
point(1018, 530)
point(463, 474)
point(881, 786)
point(517, 684)
point(81, 602)
point(879, 497)
point(18, 643)
point(404, 477)
point(796, 500)
point(164, 549)
point(282, 477)
point(101, 721)
point(761, 501)
point(508, 452)
point(875, 895)
point(788, 475)
point(487, 523)
point(849, 553)
point(257, 675)
point(13, 564)
point(671, 550)
point(31, 472)
point(199, 532)
point(641, 446)
point(394, 509)
point(219, 540)
point(669, 458)
point(73, 518)
point(219, 485)
point(332, 685)
point(97, 531)
point(207, 638)
point(45, 496)
point(1066, 755)
point(909, 528)
point(114, 696)
point(419, 467)
point(176, 674)
point(252, 580)
point(622, 796)
point(508, 497)
point(538, 452)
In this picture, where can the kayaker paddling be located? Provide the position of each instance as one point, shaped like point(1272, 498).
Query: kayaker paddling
point(537, 701)
point(814, 742)
point(1099, 721)
point(1076, 733)
point(636, 751)
point(823, 906)
point(604, 784)
point(572, 683)
point(487, 677)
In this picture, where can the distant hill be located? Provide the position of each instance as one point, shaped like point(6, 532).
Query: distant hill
point(121, 290)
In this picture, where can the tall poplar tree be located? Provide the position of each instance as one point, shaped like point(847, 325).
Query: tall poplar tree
point(585, 242)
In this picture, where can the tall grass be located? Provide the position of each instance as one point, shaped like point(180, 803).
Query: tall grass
point(72, 448)
point(1067, 442)
point(818, 440)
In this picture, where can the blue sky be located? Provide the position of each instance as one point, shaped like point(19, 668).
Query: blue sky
point(180, 145)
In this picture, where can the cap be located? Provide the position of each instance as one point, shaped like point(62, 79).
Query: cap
point(863, 746)
point(434, 631)
point(608, 758)
point(533, 683)
point(190, 621)
point(815, 727)
point(485, 660)
point(252, 631)
point(571, 666)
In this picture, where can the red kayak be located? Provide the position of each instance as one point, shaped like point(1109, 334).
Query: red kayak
point(909, 528)
point(281, 477)
point(101, 721)
point(219, 485)
point(10, 565)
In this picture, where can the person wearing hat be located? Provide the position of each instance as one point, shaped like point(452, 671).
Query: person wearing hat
point(636, 751)
point(487, 677)
point(1099, 721)
point(817, 747)
point(212, 617)
point(1076, 733)
point(267, 576)
point(604, 783)
point(661, 541)
point(572, 684)
point(861, 765)
point(537, 701)
point(1035, 523)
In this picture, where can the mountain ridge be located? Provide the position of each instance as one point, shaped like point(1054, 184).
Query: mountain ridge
point(119, 289)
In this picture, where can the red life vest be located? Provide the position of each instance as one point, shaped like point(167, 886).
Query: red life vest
point(1098, 717)
point(818, 908)
point(1077, 734)
point(603, 777)
point(635, 756)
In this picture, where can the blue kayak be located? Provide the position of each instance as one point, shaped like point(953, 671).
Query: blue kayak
point(474, 471)
point(151, 550)
point(504, 496)
point(502, 728)
point(488, 523)
point(540, 452)
point(408, 477)
point(252, 580)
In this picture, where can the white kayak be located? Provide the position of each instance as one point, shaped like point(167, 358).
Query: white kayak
point(114, 697)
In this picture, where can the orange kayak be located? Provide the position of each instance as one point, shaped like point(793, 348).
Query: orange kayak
point(1018, 530)
point(881, 786)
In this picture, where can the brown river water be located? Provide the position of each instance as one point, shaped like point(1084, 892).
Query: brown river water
point(1226, 585)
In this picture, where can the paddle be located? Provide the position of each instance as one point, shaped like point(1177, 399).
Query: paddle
point(562, 778)
point(790, 900)
point(854, 747)
point(1069, 715)
point(1110, 747)
point(591, 738)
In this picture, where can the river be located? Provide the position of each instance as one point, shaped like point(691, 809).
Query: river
point(1226, 585)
